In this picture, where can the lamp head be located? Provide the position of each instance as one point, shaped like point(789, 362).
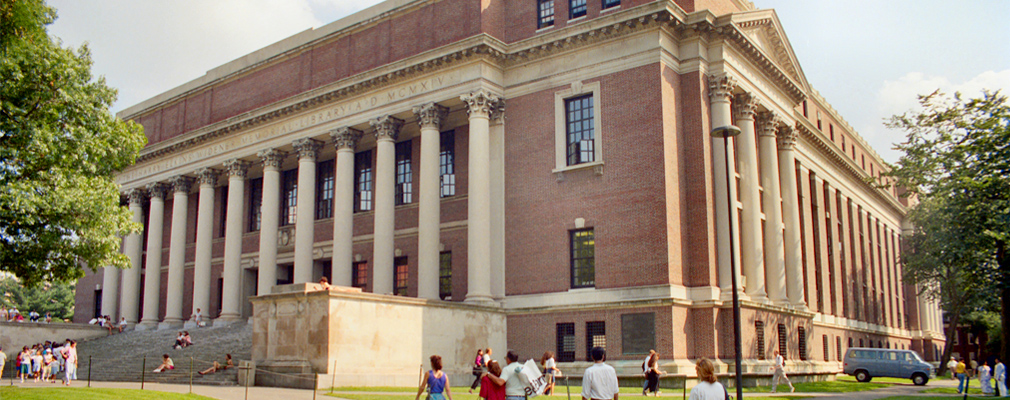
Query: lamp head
point(725, 131)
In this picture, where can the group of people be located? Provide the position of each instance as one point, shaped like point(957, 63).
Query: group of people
point(964, 372)
point(43, 362)
point(483, 359)
point(13, 315)
point(182, 340)
point(599, 382)
point(107, 322)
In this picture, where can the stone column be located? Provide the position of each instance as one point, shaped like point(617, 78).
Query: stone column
point(177, 252)
point(430, 116)
point(497, 143)
point(479, 107)
point(751, 248)
point(231, 309)
point(110, 290)
point(204, 241)
point(775, 268)
point(152, 274)
point(720, 92)
point(345, 140)
point(269, 219)
point(130, 298)
point(386, 130)
point(305, 219)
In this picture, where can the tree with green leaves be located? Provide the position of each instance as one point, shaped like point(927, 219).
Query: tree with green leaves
point(57, 299)
point(59, 149)
point(956, 162)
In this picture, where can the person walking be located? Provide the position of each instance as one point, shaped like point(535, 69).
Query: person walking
point(488, 389)
point(999, 372)
point(511, 377)
point(779, 373)
point(985, 378)
point(599, 382)
point(437, 382)
point(478, 369)
point(962, 376)
point(653, 373)
point(645, 372)
point(951, 366)
point(550, 371)
point(707, 388)
point(70, 355)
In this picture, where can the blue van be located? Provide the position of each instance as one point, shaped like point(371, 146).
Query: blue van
point(867, 363)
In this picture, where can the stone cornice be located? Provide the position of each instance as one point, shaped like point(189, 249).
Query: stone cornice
point(809, 133)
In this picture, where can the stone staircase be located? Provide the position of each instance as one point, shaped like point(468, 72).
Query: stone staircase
point(120, 357)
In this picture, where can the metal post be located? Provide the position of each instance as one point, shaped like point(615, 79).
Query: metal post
point(733, 267)
point(315, 384)
point(143, 370)
point(89, 371)
point(247, 368)
point(190, 374)
point(333, 376)
point(567, 388)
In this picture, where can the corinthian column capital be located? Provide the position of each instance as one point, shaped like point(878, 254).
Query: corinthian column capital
point(768, 124)
point(745, 106)
point(136, 196)
point(720, 87)
point(345, 137)
point(787, 137)
point(387, 127)
point(181, 183)
point(430, 115)
point(307, 148)
point(207, 176)
point(272, 157)
point(157, 189)
point(237, 167)
point(481, 102)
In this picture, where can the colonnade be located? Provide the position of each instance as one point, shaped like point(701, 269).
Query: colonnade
point(482, 107)
point(770, 256)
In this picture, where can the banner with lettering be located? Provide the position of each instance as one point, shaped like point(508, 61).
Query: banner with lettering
point(534, 380)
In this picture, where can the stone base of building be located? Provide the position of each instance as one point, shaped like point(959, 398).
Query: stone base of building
point(350, 338)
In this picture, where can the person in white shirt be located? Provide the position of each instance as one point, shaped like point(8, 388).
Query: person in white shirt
point(645, 371)
point(122, 324)
point(511, 377)
point(780, 373)
point(599, 382)
point(3, 360)
point(708, 388)
point(198, 317)
point(950, 367)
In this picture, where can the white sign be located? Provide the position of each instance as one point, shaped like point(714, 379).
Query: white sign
point(535, 381)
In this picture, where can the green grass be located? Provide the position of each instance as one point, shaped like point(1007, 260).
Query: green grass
point(950, 390)
point(958, 397)
point(848, 378)
point(821, 387)
point(671, 395)
point(11, 392)
point(559, 390)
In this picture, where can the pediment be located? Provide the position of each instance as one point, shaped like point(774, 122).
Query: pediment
point(763, 29)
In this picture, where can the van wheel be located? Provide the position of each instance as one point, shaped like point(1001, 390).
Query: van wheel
point(919, 379)
point(863, 376)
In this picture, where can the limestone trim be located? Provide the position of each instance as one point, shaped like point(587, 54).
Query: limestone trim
point(307, 148)
point(237, 167)
point(207, 176)
point(346, 138)
point(481, 102)
point(721, 86)
point(181, 183)
point(272, 157)
point(577, 89)
point(430, 115)
point(386, 127)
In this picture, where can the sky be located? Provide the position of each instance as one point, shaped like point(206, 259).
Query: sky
point(868, 58)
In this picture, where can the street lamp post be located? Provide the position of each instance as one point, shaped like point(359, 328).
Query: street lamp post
point(726, 132)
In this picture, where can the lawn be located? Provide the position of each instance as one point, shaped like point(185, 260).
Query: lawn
point(561, 396)
point(950, 390)
point(958, 397)
point(825, 386)
point(848, 378)
point(12, 392)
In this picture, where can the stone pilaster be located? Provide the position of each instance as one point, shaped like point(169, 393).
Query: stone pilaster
point(130, 293)
point(791, 208)
point(430, 117)
point(387, 129)
point(308, 150)
point(775, 269)
point(204, 239)
point(345, 140)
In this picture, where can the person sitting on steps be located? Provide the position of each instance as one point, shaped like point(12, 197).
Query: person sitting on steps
point(166, 364)
point(218, 367)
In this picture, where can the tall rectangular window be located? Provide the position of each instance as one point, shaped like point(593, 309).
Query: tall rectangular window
point(830, 244)
point(445, 275)
point(255, 203)
point(363, 181)
point(827, 348)
point(814, 210)
point(223, 194)
point(841, 250)
point(565, 340)
point(447, 164)
point(611, 3)
point(579, 129)
point(324, 189)
point(583, 258)
point(759, 333)
point(783, 340)
point(359, 274)
point(545, 13)
point(838, 348)
point(401, 275)
point(802, 342)
point(576, 8)
point(289, 197)
point(596, 336)
point(404, 174)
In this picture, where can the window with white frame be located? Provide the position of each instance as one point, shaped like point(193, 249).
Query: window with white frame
point(577, 134)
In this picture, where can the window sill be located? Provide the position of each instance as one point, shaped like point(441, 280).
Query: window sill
point(576, 19)
point(545, 29)
point(596, 166)
point(608, 9)
point(582, 289)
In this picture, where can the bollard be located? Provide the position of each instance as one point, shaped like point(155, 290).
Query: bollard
point(190, 374)
point(315, 384)
point(567, 388)
point(143, 369)
point(89, 371)
point(247, 383)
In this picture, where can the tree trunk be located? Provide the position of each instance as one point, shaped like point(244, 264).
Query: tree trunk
point(955, 318)
point(1003, 260)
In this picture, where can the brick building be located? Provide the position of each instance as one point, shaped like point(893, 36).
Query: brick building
point(549, 157)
